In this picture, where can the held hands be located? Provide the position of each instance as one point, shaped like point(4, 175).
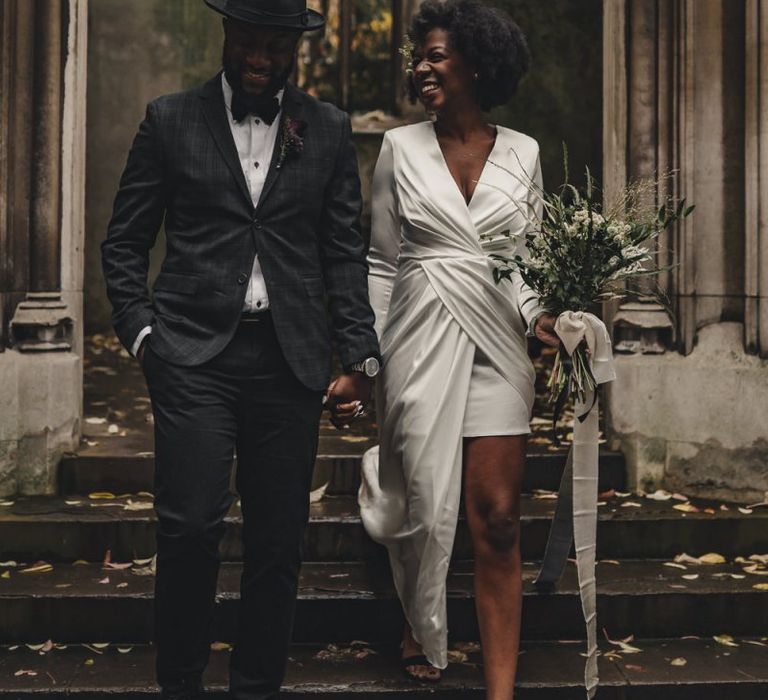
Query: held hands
point(345, 397)
point(544, 330)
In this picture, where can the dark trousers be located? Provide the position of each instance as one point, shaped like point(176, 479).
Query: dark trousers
point(246, 399)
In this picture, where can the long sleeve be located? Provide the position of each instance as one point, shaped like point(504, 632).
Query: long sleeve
point(527, 299)
point(343, 255)
point(136, 219)
point(385, 235)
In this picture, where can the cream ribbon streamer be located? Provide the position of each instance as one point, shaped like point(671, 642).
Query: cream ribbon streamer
point(573, 327)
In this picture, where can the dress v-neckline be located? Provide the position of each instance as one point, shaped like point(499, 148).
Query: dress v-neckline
point(457, 188)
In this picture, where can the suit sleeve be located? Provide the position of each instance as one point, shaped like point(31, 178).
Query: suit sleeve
point(527, 299)
point(137, 215)
point(343, 256)
point(385, 235)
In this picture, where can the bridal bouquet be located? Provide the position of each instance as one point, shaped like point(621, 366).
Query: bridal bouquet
point(580, 255)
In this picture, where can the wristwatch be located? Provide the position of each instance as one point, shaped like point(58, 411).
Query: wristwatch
point(370, 367)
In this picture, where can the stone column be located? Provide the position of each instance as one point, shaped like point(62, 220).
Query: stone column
point(684, 95)
point(41, 210)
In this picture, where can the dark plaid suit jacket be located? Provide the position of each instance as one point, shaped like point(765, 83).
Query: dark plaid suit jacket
point(183, 168)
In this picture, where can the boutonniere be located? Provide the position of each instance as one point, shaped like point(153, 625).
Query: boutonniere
point(292, 139)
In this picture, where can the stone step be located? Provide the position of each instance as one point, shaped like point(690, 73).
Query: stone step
point(338, 602)
point(57, 529)
point(547, 671)
point(337, 465)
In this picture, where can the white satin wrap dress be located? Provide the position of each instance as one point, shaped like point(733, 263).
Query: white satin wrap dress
point(439, 313)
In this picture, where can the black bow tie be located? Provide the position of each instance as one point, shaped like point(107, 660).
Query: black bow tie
point(266, 107)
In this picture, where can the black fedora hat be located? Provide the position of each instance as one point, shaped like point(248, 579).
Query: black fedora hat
point(282, 14)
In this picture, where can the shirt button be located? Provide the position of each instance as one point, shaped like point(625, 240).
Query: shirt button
point(257, 223)
point(257, 121)
point(242, 278)
point(258, 304)
point(256, 164)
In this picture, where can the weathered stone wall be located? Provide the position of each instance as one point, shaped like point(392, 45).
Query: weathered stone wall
point(160, 47)
point(683, 93)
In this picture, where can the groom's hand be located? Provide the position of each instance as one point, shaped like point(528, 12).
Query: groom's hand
point(345, 394)
point(545, 330)
point(140, 353)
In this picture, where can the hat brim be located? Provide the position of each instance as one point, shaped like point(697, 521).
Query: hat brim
point(313, 20)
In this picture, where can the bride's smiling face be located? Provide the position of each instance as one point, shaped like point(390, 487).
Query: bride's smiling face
point(440, 74)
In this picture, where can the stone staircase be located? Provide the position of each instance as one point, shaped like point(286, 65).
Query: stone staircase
point(700, 630)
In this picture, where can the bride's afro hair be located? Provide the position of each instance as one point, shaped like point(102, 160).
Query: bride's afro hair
point(487, 38)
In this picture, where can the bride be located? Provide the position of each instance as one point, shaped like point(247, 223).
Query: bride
point(456, 393)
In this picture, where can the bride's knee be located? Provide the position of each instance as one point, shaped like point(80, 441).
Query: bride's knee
point(499, 531)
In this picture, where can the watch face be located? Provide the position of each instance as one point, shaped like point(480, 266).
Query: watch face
point(371, 367)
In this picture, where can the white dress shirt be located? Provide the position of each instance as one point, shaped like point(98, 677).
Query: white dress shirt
point(255, 143)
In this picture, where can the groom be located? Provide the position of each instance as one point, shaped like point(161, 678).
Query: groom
point(257, 185)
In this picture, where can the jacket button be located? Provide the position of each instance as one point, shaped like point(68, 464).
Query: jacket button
point(242, 278)
point(256, 223)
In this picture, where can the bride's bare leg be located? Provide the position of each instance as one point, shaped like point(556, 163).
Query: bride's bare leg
point(493, 474)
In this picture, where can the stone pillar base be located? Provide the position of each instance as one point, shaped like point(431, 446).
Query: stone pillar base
point(39, 418)
point(695, 423)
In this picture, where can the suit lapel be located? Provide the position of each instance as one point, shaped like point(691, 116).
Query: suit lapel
point(215, 112)
point(293, 108)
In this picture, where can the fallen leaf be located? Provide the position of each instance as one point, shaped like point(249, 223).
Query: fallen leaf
point(457, 657)
point(690, 577)
point(631, 504)
point(659, 495)
point(728, 574)
point(113, 429)
point(25, 672)
point(35, 647)
point(756, 569)
point(6, 504)
point(143, 562)
point(8, 563)
point(89, 662)
point(5, 574)
point(122, 585)
point(635, 667)
point(138, 505)
point(40, 567)
point(755, 643)
point(73, 503)
point(95, 421)
point(679, 497)
point(679, 661)
point(63, 585)
point(101, 496)
point(317, 495)
point(686, 507)
point(622, 494)
point(220, 646)
point(725, 639)
point(760, 586)
point(710, 511)
point(105, 580)
point(354, 438)
point(674, 565)
point(124, 650)
point(712, 558)
point(745, 511)
point(80, 562)
point(610, 561)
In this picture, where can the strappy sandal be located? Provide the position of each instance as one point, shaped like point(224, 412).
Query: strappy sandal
point(419, 660)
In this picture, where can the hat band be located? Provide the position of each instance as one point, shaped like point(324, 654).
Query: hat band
point(238, 6)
